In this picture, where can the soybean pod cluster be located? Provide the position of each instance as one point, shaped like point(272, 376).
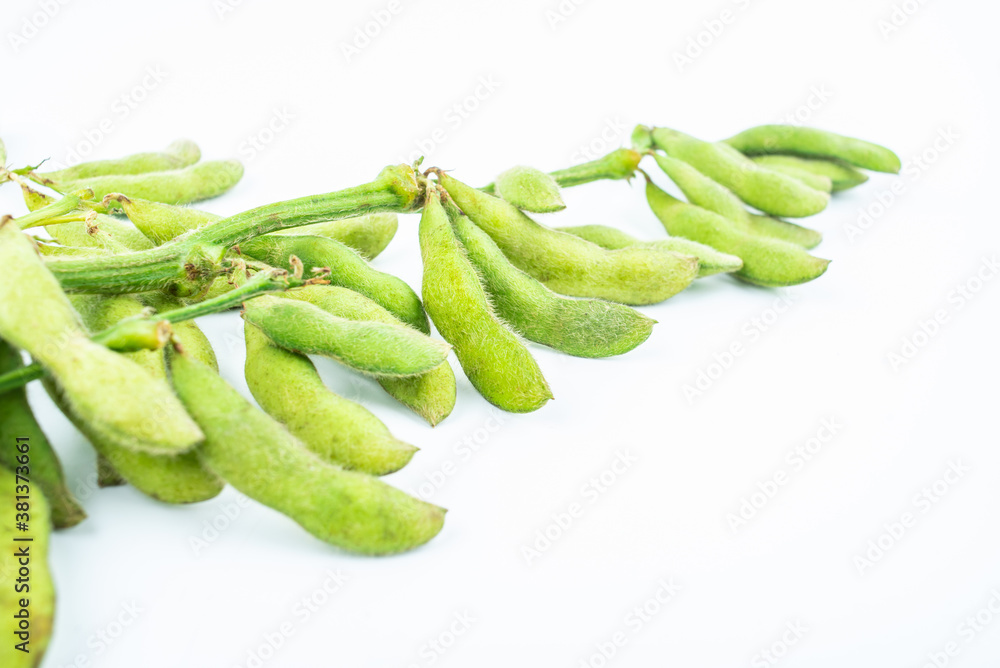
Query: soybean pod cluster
point(110, 266)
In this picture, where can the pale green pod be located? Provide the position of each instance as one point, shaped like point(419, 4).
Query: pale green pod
point(619, 164)
point(168, 478)
point(430, 395)
point(107, 476)
point(529, 189)
point(259, 457)
point(581, 327)
point(202, 180)
point(56, 250)
point(703, 191)
point(347, 269)
point(18, 421)
point(769, 191)
point(79, 234)
point(815, 181)
point(841, 175)
point(642, 139)
point(768, 262)
point(369, 234)
point(816, 143)
point(289, 389)
point(115, 396)
point(495, 361)
point(775, 228)
point(186, 334)
point(569, 265)
point(375, 348)
point(36, 587)
point(161, 222)
point(178, 155)
point(710, 261)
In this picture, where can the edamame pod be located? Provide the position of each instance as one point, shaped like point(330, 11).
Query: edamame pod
point(18, 422)
point(761, 188)
point(569, 265)
point(581, 327)
point(841, 175)
point(37, 590)
point(619, 164)
point(369, 234)
point(430, 395)
point(106, 390)
point(768, 262)
point(80, 233)
point(347, 269)
point(497, 364)
point(710, 261)
point(260, 458)
point(775, 228)
point(161, 222)
point(202, 180)
point(375, 348)
point(529, 189)
point(289, 389)
point(813, 142)
point(178, 155)
point(815, 181)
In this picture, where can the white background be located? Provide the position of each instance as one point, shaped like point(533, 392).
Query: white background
point(223, 75)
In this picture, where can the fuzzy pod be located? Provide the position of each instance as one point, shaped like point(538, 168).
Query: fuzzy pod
point(186, 334)
point(289, 389)
point(368, 234)
point(841, 175)
point(375, 348)
point(767, 262)
point(197, 182)
point(529, 189)
point(347, 269)
point(161, 222)
point(178, 155)
point(580, 327)
point(642, 139)
point(494, 359)
point(430, 395)
point(80, 234)
point(619, 164)
point(703, 191)
point(816, 143)
point(168, 478)
point(775, 228)
point(107, 476)
point(811, 179)
point(41, 592)
point(710, 261)
point(769, 191)
point(115, 396)
point(259, 457)
point(18, 421)
point(569, 265)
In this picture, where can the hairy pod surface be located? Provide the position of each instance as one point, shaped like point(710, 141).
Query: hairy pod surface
point(769, 191)
point(368, 234)
point(813, 142)
point(710, 261)
point(775, 228)
point(289, 389)
point(841, 175)
point(767, 262)
point(347, 269)
point(529, 189)
point(376, 348)
point(619, 164)
point(202, 180)
point(80, 234)
point(115, 396)
point(569, 265)
point(178, 155)
point(581, 327)
point(495, 361)
point(808, 177)
point(703, 191)
point(161, 222)
point(259, 457)
point(430, 395)
point(18, 421)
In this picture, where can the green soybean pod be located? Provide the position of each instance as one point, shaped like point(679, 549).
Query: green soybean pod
point(368, 234)
point(161, 222)
point(376, 348)
point(569, 265)
point(841, 175)
point(186, 334)
point(811, 179)
point(710, 261)
point(775, 228)
point(703, 191)
point(619, 164)
point(202, 180)
point(256, 455)
point(495, 361)
point(171, 479)
point(813, 142)
point(24, 647)
point(289, 389)
point(580, 327)
point(430, 395)
point(178, 155)
point(347, 269)
point(17, 422)
point(767, 262)
point(79, 233)
point(761, 188)
point(111, 393)
point(529, 189)
point(107, 476)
